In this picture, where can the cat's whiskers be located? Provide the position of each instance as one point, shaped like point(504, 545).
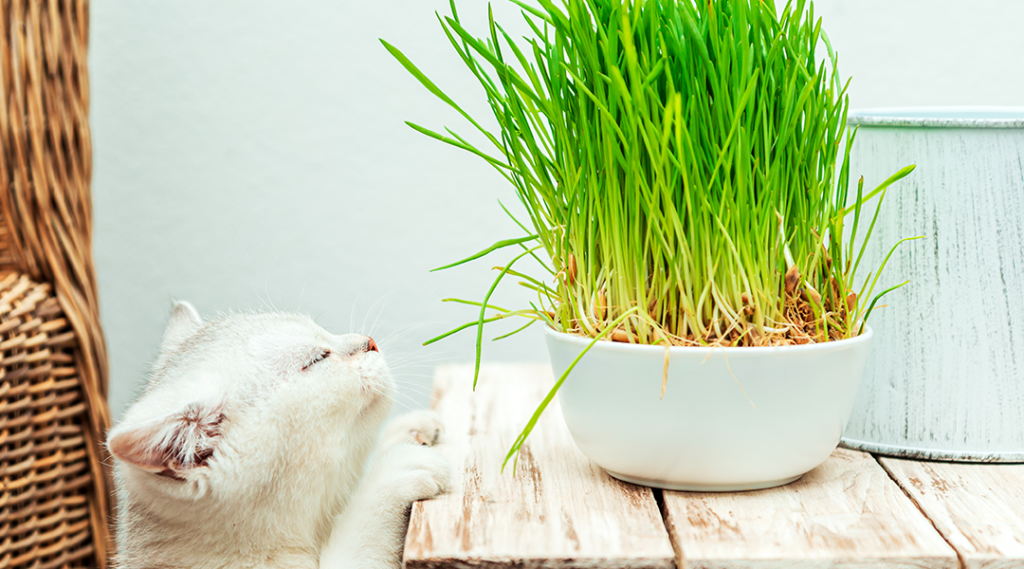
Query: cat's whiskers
point(263, 302)
point(298, 307)
point(383, 298)
point(266, 280)
point(421, 362)
point(446, 406)
point(383, 307)
point(404, 405)
point(419, 389)
point(416, 357)
point(352, 313)
point(395, 336)
point(321, 313)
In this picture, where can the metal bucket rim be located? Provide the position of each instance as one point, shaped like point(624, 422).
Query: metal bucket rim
point(909, 451)
point(948, 117)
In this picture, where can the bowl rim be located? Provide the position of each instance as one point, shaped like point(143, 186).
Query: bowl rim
point(941, 116)
point(734, 351)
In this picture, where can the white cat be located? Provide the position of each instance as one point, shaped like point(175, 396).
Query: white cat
point(254, 444)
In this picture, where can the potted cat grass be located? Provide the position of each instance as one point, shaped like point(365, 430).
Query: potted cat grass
point(678, 163)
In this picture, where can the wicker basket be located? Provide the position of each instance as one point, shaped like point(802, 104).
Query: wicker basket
point(54, 503)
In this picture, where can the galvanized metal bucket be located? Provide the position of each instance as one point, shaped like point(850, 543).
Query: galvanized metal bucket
point(945, 379)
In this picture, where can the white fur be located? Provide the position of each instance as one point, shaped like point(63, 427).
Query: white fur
point(245, 451)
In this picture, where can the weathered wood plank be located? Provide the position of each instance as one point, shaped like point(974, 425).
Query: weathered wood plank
point(845, 513)
point(558, 511)
point(978, 508)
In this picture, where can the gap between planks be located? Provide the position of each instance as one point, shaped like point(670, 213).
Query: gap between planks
point(978, 508)
point(847, 513)
point(559, 510)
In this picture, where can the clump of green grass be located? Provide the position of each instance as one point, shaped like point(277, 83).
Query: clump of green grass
point(678, 163)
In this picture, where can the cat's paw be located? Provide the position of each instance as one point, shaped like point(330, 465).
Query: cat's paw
point(421, 427)
point(407, 473)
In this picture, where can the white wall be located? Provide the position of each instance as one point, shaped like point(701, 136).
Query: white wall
point(254, 153)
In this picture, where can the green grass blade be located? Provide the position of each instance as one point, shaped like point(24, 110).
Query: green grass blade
point(499, 245)
point(867, 313)
point(475, 303)
point(483, 314)
point(561, 379)
point(514, 332)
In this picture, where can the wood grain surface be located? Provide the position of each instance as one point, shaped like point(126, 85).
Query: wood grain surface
point(977, 508)
point(559, 510)
point(845, 513)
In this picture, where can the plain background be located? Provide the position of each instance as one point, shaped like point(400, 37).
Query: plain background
point(253, 154)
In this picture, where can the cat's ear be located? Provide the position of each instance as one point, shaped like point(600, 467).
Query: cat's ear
point(170, 445)
point(184, 322)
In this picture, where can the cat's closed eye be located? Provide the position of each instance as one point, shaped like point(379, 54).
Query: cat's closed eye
point(318, 356)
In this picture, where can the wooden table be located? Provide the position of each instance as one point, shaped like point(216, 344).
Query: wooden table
point(559, 510)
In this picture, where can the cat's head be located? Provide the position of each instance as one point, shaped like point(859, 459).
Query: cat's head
point(251, 395)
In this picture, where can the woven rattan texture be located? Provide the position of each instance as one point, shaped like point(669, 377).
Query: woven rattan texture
point(45, 499)
point(45, 233)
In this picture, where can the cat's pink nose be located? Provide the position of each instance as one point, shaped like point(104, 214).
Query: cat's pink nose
point(371, 346)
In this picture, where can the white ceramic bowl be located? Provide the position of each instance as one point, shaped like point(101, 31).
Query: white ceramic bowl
point(708, 433)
